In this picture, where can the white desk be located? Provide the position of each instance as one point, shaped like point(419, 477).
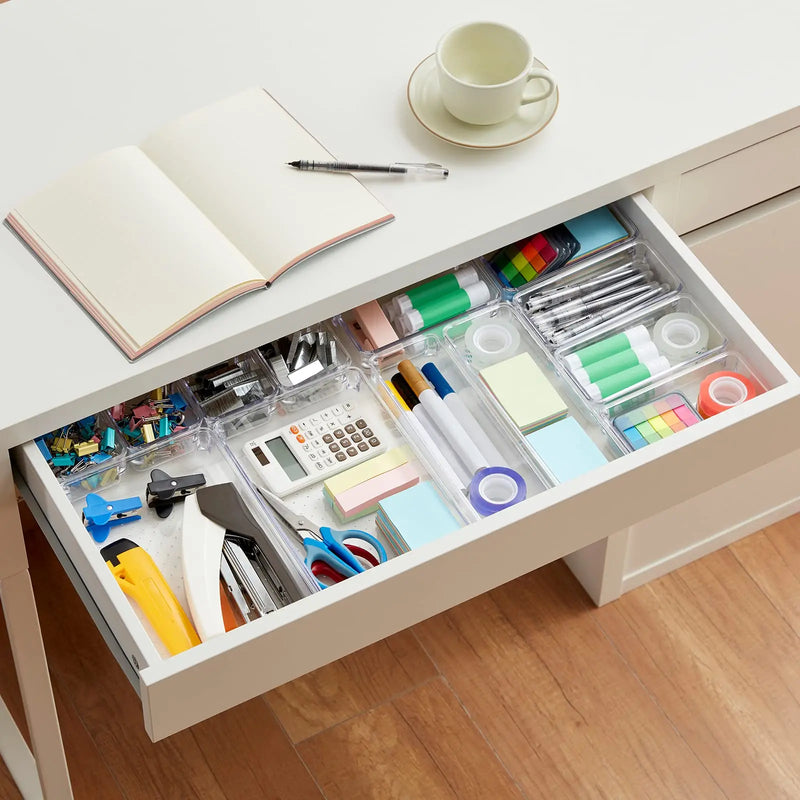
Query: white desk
point(645, 96)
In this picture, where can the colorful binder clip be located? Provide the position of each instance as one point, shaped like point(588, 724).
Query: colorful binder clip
point(164, 491)
point(100, 515)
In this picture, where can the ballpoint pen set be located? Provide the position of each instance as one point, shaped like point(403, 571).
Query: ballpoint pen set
point(219, 499)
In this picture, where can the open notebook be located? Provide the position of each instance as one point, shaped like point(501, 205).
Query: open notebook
point(150, 238)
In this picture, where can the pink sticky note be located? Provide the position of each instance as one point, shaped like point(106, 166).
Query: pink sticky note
point(367, 494)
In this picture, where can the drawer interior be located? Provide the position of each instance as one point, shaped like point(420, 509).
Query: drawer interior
point(222, 448)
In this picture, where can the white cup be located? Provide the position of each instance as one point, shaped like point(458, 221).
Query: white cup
point(483, 70)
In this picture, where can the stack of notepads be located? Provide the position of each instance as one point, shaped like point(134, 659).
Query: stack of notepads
point(356, 491)
point(414, 517)
point(524, 392)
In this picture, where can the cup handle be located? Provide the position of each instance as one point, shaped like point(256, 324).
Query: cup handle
point(545, 75)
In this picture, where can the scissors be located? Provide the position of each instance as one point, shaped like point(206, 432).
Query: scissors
point(330, 554)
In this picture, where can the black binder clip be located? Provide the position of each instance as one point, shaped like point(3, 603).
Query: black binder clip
point(164, 491)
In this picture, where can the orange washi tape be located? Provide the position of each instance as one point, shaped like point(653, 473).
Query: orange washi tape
point(722, 390)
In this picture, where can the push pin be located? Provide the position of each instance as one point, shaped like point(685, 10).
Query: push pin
point(100, 516)
point(164, 491)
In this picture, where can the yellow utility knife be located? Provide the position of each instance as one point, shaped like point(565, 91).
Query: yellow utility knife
point(140, 579)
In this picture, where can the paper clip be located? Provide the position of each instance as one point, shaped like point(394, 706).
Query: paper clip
point(100, 515)
point(164, 491)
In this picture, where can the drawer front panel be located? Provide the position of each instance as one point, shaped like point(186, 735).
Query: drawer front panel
point(732, 183)
point(753, 254)
point(182, 690)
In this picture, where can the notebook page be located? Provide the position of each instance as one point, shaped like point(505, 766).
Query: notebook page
point(130, 246)
point(230, 158)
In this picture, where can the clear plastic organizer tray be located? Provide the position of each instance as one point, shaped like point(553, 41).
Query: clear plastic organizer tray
point(484, 344)
point(362, 346)
point(307, 356)
point(639, 348)
point(163, 421)
point(627, 269)
point(672, 404)
point(593, 235)
point(286, 448)
point(498, 444)
point(231, 385)
point(198, 451)
point(91, 469)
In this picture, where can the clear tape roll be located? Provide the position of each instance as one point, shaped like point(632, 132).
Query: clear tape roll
point(679, 336)
point(494, 488)
point(491, 340)
point(722, 390)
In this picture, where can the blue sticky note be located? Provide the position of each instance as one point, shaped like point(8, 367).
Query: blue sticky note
point(595, 230)
point(416, 516)
point(566, 448)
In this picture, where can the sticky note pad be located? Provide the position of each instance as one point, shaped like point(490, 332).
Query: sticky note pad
point(415, 516)
point(524, 391)
point(595, 230)
point(566, 449)
point(366, 470)
point(363, 498)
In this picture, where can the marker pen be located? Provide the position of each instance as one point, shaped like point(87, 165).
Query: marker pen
point(437, 438)
point(441, 307)
point(412, 298)
point(443, 418)
point(463, 415)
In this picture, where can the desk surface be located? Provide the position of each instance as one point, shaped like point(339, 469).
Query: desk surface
point(645, 94)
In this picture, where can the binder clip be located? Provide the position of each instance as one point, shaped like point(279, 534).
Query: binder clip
point(164, 491)
point(100, 516)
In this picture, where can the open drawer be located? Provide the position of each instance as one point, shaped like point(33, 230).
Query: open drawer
point(179, 691)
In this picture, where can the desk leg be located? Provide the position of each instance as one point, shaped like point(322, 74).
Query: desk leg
point(24, 633)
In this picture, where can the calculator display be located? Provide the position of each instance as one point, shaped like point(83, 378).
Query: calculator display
point(283, 455)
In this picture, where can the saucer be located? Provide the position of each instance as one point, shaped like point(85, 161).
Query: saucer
point(426, 105)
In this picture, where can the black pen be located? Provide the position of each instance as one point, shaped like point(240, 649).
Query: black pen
point(347, 166)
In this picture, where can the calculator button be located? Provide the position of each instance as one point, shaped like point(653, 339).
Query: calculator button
point(336, 410)
point(300, 438)
point(341, 457)
point(312, 456)
point(304, 425)
point(351, 451)
point(360, 423)
point(367, 432)
point(321, 429)
point(363, 447)
point(333, 424)
point(356, 437)
point(306, 447)
point(334, 448)
point(329, 461)
point(319, 465)
point(326, 415)
point(316, 442)
point(345, 442)
point(347, 405)
point(350, 428)
point(374, 441)
point(322, 453)
point(294, 429)
point(327, 438)
point(315, 420)
point(338, 433)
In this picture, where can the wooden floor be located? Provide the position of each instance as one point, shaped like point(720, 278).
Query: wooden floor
point(686, 688)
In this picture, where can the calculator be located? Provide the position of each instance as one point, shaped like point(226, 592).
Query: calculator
point(314, 448)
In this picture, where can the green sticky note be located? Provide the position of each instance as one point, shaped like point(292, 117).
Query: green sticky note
point(524, 391)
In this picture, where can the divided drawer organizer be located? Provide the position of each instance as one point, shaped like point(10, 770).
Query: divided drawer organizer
point(631, 482)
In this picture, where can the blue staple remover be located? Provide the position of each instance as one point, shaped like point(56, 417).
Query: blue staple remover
point(100, 515)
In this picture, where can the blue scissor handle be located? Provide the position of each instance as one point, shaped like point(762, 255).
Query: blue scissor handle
point(336, 542)
point(317, 551)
